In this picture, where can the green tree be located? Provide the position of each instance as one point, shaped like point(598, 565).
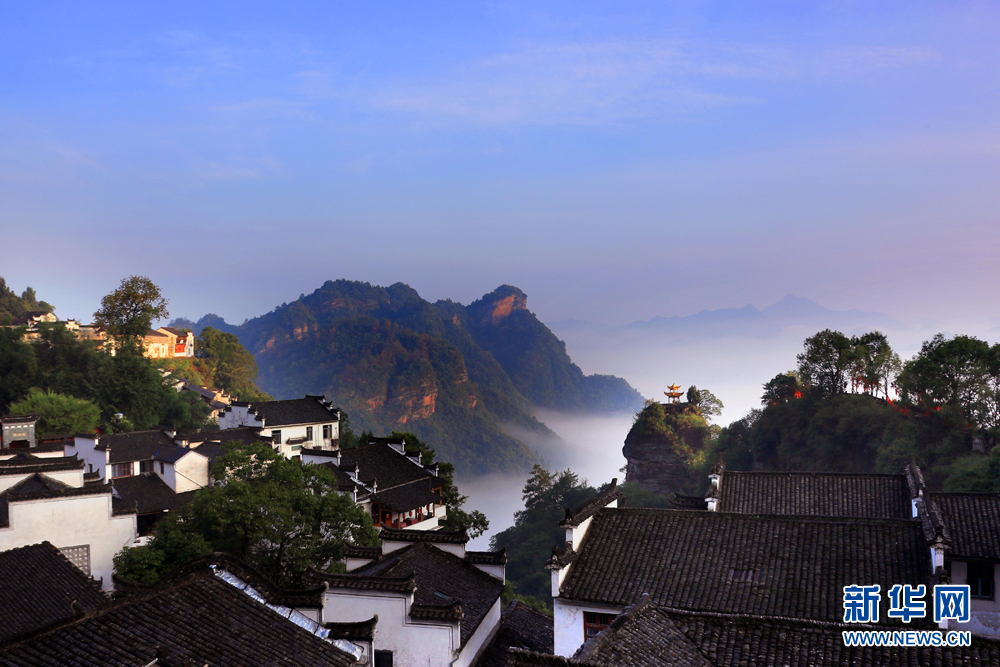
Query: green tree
point(58, 413)
point(277, 514)
point(825, 361)
point(874, 364)
point(707, 403)
point(782, 388)
point(127, 313)
point(536, 529)
point(232, 367)
point(959, 376)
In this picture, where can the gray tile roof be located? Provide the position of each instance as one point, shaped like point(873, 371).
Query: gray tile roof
point(150, 494)
point(695, 560)
point(308, 410)
point(441, 580)
point(38, 587)
point(521, 627)
point(973, 523)
point(576, 516)
point(199, 620)
point(33, 464)
point(815, 494)
point(642, 635)
point(649, 635)
point(389, 467)
point(139, 446)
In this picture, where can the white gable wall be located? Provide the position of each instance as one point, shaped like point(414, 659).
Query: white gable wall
point(71, 522)
point(188, 473)
point(423, 643)
point(568, 623)
point(85, 448)
point(73, 478)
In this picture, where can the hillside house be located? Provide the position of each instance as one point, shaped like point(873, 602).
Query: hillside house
point(394, 487)
point(437, 603)
point(50, 499)
point(180, 344)
point(156, 345)
point(310, 422)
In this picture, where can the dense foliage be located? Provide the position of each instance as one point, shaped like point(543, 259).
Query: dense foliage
point(127, 313)
point(536, 529)
point(13, 306)
point(277, 514)
point(834, 413)
point(221, 362)
point(454, 375)
point(58, 414)
point(124, 383)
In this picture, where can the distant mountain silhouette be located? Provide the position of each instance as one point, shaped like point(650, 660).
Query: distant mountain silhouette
point(454, 375)
point(747, 321)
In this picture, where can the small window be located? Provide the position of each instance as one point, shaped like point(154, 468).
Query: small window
point(383, 658)
point(981, 580)
point(745, 576)
point(79, 556)
point(145, 466)
point(327, 431)
point(309, 433)
point(594, 622)
point(122, 469)
point(276, 437)
point(161, 467)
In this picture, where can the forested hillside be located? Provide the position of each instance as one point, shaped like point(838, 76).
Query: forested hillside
point(853, 406)
point(454, 375)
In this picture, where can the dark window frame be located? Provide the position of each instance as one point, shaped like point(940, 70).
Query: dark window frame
point(594, 622)
point(981, 580)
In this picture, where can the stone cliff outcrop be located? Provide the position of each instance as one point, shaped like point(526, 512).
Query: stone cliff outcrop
point(663, 442)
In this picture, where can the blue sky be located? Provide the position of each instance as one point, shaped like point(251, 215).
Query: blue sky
point(616, 161)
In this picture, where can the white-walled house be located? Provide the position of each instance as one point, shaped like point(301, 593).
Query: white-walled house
point(437, 604)
point(49, 500)
point(310, 422)
point(127, 454)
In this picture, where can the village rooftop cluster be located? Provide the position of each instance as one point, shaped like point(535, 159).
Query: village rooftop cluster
point(750, 574)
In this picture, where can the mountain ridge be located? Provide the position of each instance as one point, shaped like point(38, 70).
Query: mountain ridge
point(455, 375)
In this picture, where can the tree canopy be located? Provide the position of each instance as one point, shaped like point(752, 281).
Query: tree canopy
point(57, 413)
point(279, 515)
point(536, 529)
point(127, 313)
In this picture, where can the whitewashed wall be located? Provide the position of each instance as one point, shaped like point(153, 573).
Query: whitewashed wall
point(71, 477)
point(71, 522)
point(568, 624)
point(413, 643)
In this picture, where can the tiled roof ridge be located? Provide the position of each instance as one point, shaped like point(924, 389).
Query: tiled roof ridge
point(973, 494)
point(561, 557)
point(793, 518)
point(405, 584)
point(31, 466)
point(520, 656)
point(357, 630)
point(574, 517)
point(487, 557)
point(67, 491)
point(458, 560)
point(449, 612)
point(812, 473)
point(251, 575)
point(358, 551)
point(145, 594)
point(439, 536)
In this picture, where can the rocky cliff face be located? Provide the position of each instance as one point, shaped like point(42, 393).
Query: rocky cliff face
point(662, 444)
